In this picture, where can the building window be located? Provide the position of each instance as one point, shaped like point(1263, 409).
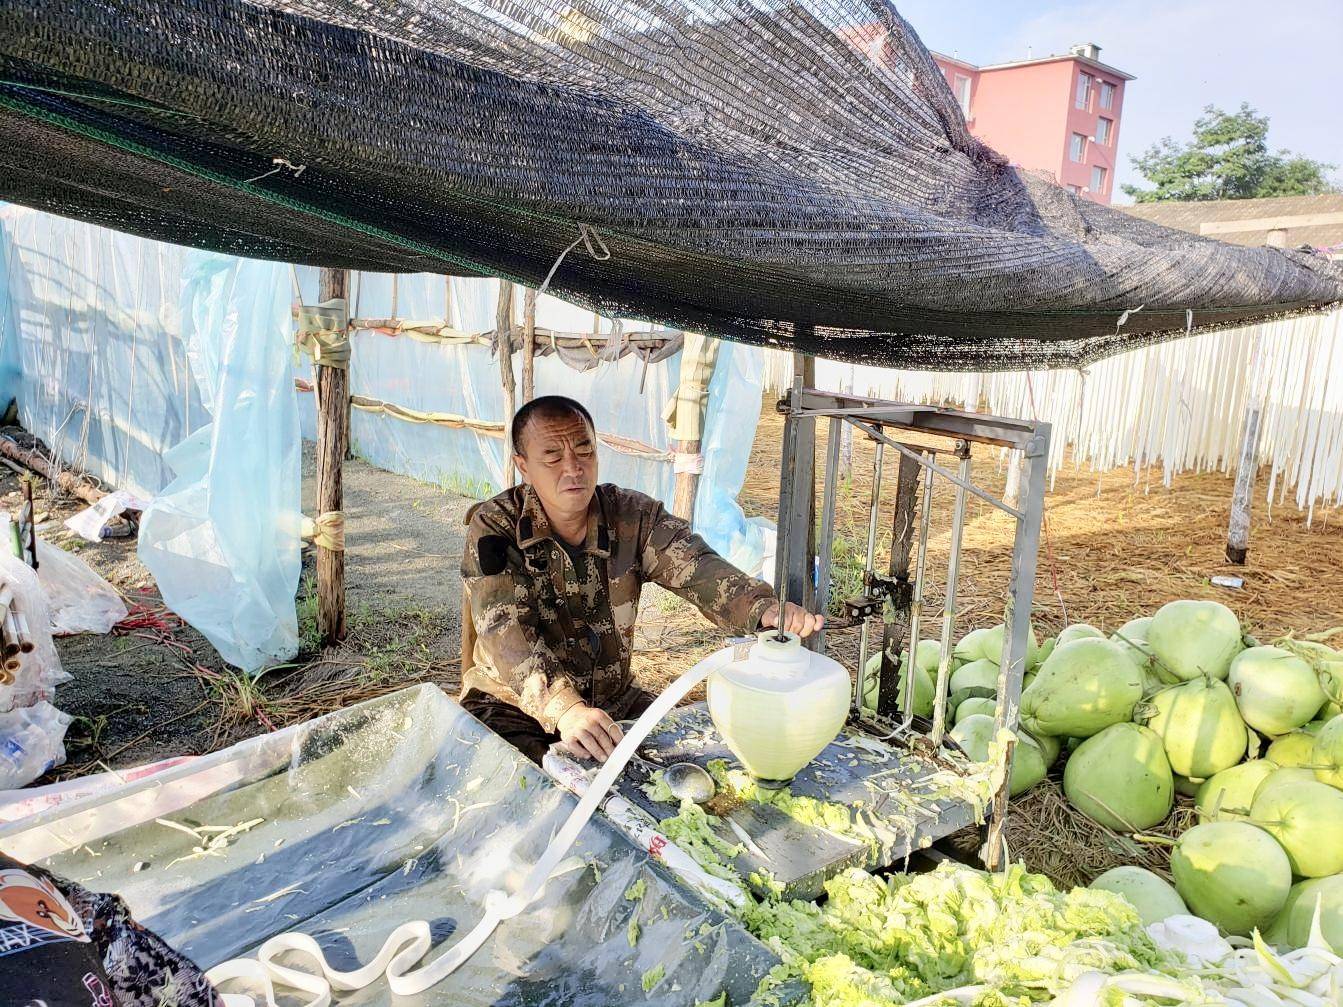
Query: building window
point(1107, 94)
point(1084, 90)
point(1098, 180)
point(1077, 149)
point(963, 93)
point(1103, 128)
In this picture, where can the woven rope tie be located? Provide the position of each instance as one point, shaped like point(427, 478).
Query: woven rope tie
point(326, 531)
point(327, 347)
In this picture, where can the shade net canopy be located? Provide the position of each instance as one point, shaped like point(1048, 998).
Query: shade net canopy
point(788, 173)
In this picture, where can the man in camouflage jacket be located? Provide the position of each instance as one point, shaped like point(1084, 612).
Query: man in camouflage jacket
point(552, 572)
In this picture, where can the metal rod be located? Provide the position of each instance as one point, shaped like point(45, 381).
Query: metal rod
point(916, 606)
point(869, 561)
point(828, 521)
point(949, 607)
point(1017, 627)
point(787, 492)
point(964, 484)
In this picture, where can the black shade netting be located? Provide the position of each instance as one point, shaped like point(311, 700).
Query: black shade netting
point(795, 174)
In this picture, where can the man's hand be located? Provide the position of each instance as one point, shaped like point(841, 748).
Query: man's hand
point(589, 732)
point(796, 619)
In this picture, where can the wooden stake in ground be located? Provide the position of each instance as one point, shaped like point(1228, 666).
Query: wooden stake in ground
point(1238, 530)
point(503, 347)
point(333, 393)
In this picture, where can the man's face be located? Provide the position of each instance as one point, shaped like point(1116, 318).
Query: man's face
point(559, 460)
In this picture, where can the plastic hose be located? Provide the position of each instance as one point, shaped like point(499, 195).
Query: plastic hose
point(408, 943)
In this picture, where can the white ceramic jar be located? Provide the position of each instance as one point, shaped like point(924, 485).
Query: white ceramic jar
point(779, 707)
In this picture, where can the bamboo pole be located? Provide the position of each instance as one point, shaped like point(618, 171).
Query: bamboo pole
point(503, 348)
point(686, 417)
point(333, 393)
point(529, 345)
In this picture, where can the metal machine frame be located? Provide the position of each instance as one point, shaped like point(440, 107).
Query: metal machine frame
point(799, 552)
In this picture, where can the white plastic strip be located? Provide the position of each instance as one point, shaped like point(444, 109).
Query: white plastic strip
point(1171, 407)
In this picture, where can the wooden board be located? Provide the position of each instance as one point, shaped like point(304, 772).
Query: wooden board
point(802, 857)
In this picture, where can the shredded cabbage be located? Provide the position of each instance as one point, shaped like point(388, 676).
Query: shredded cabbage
point(879, 941)
point(656, 788)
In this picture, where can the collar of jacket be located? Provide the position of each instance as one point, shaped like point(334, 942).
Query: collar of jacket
point(534, 527)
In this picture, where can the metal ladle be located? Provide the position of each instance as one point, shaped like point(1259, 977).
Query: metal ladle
point(689, 782)
point(686, 780)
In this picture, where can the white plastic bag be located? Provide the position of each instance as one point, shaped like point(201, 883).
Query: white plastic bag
point(32, 741)
point(80, 601)
point(40, 671)
point(92, 520)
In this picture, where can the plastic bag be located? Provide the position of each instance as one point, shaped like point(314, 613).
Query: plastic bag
point(40, 671)
point(80, 600)
point(91, 522)
point(32, 741)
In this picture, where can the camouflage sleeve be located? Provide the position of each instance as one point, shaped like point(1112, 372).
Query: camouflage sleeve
point(674, 557)
point(509, 646)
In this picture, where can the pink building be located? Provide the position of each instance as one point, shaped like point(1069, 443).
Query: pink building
point(1058, 114)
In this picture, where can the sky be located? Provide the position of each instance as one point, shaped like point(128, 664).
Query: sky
point(1281, 56)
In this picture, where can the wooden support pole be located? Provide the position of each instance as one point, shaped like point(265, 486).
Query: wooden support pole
point(699, 357)
point(529, 345)
point(1238, 531)
point(503, 348)
point(687, 480)
point(894, 636)
point(333, 393)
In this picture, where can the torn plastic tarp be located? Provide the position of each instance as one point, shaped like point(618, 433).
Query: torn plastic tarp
point(398, 809)
point(222, 539)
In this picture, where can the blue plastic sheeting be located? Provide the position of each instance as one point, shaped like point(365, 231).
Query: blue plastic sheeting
point(729, 432)
point(92, 346)
point(222, 539)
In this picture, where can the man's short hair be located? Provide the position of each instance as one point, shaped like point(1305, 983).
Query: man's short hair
point(550, 407)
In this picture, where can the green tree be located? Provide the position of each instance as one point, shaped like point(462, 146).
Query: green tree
point(1228, 158)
